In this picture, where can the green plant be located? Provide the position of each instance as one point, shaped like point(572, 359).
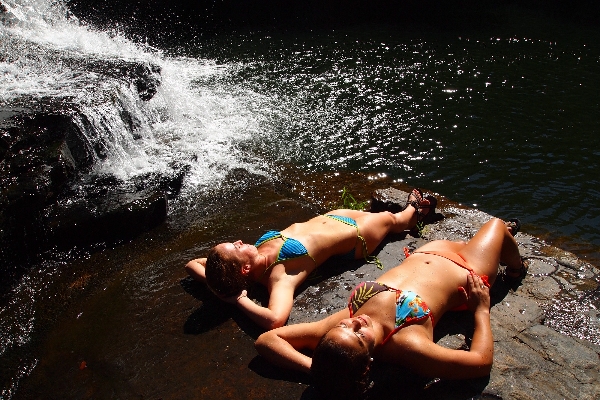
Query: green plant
point(421, 228)
point(349, 202)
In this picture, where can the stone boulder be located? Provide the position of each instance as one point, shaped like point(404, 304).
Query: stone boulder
point(50, 196)
point(545, 329)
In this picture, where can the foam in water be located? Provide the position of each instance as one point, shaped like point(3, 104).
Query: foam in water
point(42, 50)
point(185, 122)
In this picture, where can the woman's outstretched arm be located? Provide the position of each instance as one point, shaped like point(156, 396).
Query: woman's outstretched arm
point(430, 359)
point(282, 346)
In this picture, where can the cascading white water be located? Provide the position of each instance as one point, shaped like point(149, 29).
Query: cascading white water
point(42, 50)
point(186, 122)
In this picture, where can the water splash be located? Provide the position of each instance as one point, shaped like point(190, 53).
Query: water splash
point(45, 58)
point(51, 62)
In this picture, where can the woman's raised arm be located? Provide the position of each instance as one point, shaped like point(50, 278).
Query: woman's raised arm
point(282, 346)
point(195, 268)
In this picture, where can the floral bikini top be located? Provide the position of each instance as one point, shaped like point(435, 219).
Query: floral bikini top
point(410, 308)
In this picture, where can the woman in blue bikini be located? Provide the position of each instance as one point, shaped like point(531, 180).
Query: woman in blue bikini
point(392, 320)
point(282, 260)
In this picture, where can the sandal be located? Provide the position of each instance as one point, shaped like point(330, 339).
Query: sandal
point(514, 225)
point(520, 272)
point(419, 203)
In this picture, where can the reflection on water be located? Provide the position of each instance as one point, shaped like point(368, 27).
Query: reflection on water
point(501, 123)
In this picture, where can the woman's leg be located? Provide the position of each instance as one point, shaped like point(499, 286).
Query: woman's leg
point(492, 244)
point(374, 227)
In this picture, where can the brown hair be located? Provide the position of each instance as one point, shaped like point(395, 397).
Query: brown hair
point(339, 371)
point(224, 274)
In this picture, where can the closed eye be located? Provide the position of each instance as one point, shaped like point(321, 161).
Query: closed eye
point(359, 334)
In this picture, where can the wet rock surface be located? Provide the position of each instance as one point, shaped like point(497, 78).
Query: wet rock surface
point(51, 197)
point(536, 356)
point(176, 340)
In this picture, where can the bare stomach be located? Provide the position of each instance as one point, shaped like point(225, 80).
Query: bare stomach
point(324, 237)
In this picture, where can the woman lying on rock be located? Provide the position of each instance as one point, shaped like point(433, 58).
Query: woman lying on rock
point(281, 261)
point(392, 320)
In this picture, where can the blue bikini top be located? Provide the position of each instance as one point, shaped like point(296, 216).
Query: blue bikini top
point(291, 248)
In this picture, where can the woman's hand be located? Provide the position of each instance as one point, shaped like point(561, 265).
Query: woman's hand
point(235, 298)
point(477, 294)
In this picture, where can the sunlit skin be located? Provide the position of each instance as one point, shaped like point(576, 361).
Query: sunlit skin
point(240, 250)
point(358, 331)
point(323, 237)
point(441, 284)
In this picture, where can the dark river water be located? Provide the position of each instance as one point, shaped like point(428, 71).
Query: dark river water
point(506, 124)
point(501, 119)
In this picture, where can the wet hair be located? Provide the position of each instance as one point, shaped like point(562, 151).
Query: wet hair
point(224, 274)
point(340, 371)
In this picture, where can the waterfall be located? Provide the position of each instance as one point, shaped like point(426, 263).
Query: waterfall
point(137, 111)
point(49, 59)
point(102, 138)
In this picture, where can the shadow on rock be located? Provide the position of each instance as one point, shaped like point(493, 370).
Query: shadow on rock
point(198, 290)
point(207, 317)
point(210, 314)
point(330, 268)
point(214, 312)
point(267, 370)
point(501, 288)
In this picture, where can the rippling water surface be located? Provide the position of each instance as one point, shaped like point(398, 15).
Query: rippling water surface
point(504, 123)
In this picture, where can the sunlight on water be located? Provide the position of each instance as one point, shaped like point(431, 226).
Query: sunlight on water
point(16, 333)
point(17, 323)
point(26, 367)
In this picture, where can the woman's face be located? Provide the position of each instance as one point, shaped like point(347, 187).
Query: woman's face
point(357, 332)
point(238, 250)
